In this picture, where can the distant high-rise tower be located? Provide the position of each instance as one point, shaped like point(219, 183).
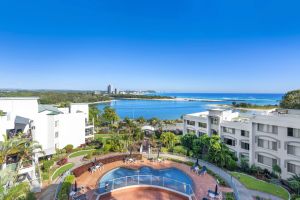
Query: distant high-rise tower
point(109, 89)
point(116, 91)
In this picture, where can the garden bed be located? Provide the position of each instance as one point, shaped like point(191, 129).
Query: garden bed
point(80, 153)
point(59, 171)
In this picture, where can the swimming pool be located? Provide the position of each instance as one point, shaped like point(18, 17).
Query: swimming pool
point(171, 178)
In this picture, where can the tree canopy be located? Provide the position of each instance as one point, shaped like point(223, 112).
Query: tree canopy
point(109, 115)
point(187, 142)
point(291, 100)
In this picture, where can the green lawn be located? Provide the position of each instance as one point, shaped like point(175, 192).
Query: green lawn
point(255, 184)
point(102, 136)
point(58, 172)
point(80, 153)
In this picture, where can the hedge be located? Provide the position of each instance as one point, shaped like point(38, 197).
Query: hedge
point(65, 188)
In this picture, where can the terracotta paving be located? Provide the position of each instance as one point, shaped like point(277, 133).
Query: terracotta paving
point(201, 183)
point(143, 193)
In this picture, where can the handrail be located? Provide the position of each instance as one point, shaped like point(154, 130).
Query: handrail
point(157, 181)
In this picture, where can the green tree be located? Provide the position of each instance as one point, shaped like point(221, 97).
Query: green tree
point(294, 183)
point(291, 100)
point(94, 115)
point(154, 121)
point(109, 115)
point(187, 141)
point(168, 139)
point(141, 120)
point(115, 143)
point(200, 146)
point(18, 191)
point(277, 170)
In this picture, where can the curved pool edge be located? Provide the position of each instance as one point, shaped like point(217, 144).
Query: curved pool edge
point(189, 197)
point(193, 185)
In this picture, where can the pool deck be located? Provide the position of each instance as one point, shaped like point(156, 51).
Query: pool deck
point(201, 183)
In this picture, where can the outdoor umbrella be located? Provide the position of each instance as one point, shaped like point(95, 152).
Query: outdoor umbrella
point(75, 186)
point(216, 190)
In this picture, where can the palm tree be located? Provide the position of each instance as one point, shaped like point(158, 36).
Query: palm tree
point(294, 183)
point(168, 139)
point(141, 120)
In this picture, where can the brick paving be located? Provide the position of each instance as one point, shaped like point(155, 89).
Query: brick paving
point(201, 183)
point(143, 193)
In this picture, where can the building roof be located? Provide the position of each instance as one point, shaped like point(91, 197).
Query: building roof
point(54, 110)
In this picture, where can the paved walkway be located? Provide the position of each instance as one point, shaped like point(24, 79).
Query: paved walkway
point(239, 189)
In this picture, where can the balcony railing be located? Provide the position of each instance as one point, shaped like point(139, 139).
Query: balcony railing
point(156, 181)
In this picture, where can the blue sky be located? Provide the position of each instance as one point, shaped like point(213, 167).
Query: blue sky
point(194, 46)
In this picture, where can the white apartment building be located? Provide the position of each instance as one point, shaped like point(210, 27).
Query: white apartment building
point(53, 128)
point(264, 138)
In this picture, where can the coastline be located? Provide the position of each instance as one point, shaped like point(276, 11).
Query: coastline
point(174, 99)
point(100, 102)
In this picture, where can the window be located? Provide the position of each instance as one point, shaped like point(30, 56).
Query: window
point(244, 156)
point(292, 168)
point(266, 144)
point(245, 145)
point(274, 129)
point(56, 123)
point(214, 120)
point(260, 127)
point(267, 128)
point(293, 150)
point(228, 141)
point(202, 125)
point(228, 130)
point(56, 134)
point(266, 160)
point(201, 133)
point(191, 131)
point(214, 132)
point(293, 132)
point(191, 123)
point(244, 133)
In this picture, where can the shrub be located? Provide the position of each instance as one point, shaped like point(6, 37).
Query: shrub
point(62, 161)
point(97, 152)
point(106, 148)
point(180, 150)
point(45, 176)
point(229, 196)
point(244, 165)
point(47, 164)
point(69, 148)
point(231, 165)
point(88, 156)
point(17, 191)
point(164, 150)
point(65, 188)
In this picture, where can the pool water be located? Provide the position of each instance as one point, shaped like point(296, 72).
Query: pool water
point(171, 176)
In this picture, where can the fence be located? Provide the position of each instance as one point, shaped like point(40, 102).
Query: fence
point(158, 181)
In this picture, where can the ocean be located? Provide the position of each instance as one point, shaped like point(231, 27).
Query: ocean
point(190, 103)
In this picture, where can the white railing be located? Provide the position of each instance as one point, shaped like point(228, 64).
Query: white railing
point(157, 181)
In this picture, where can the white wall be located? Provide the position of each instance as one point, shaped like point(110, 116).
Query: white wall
point(71, 129)
point(24, 107)
point(80, 107)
